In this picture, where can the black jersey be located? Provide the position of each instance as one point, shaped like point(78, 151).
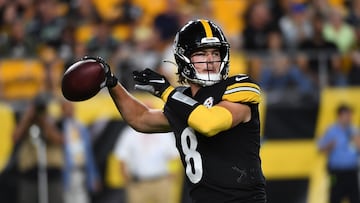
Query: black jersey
point(225, 167)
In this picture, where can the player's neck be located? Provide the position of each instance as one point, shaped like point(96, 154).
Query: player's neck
point(194, 88)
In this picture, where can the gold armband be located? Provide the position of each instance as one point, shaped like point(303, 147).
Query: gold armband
point(210, 121)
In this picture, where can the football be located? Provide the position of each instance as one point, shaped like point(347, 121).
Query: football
point(82, 80)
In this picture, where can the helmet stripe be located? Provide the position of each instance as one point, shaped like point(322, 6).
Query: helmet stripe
point(207, 28)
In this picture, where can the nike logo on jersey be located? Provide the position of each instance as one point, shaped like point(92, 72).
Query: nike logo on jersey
point(162, 80)
point(240, 78)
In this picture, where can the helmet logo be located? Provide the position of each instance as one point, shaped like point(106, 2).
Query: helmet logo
point(180, 50)
point(210, 40)
point(186, 71)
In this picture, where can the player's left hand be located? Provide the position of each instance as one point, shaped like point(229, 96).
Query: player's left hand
point(150, 81)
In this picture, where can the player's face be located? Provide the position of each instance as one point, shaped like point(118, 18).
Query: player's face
point(206, 60)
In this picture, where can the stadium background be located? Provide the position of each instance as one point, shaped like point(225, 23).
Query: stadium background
point(294, 169)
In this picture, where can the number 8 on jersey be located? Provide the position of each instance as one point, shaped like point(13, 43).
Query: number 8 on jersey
point(189, 143)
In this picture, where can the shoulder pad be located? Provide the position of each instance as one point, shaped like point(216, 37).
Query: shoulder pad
point(181, 88)
point(241, 88)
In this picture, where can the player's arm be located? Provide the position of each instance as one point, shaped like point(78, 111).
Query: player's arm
point(240, 113)
point(232, 110)
point(133, 111)
point(208, 121)
point(136, 114)
point(221, 117)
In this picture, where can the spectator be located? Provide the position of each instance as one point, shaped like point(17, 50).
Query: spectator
point(8, 15)
point(320, 6)
point(258, 24)
point(322, 54)
point(47, 26)
point(353, 18)
point(105, 132)
point(81, 177)
point(68, 41)
point(281, 74)
point(295, 26)
point(17, 44)
point(52, 64)
point(341, 145)
point(278, 72)
point(3, 7)
point(145, 159)
point(129, 12)
point(338, 31)
point(302, 62)
point(354, 73)
point(102, 42)
point(79, 51)
point(278, 9)
point(275, 42)
point(165, 26)
point(82, 12)
point(37, 133)
point(142, 47)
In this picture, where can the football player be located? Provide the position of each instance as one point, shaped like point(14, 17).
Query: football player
point(215, 118)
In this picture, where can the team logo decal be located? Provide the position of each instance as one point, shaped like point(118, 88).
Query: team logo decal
point(209, 102)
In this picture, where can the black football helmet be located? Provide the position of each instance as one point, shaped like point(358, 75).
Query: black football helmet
point(194, 36)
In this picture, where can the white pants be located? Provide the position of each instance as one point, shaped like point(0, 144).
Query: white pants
point(77, 192)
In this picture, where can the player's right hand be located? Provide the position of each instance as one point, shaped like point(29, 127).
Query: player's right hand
point(151, 81)
point(110, 79)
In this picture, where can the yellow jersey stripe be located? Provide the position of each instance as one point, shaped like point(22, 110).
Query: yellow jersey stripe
point(243, 96)
point(207, 28)
point(238, 89)
point(243, 84)
point(246, 92)
point(166, 93)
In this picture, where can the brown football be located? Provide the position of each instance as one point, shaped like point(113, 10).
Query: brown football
point(82, 80)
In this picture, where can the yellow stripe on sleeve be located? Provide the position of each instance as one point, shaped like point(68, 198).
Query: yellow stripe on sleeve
point(243, 92)
point(243, 84)
point(166, 93)
point(210, 121)
point(207, 28)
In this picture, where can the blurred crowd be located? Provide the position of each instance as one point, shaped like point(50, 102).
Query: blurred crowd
point(292, 48)
point(299, 44)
